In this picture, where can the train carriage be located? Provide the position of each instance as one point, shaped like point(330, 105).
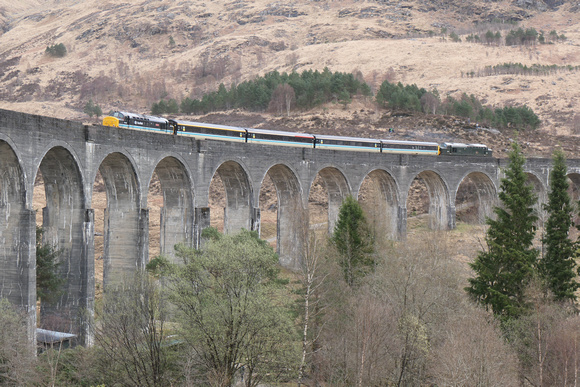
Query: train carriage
point(348, 143)
point(204, 131)
point(275, 137)
point(410, 147)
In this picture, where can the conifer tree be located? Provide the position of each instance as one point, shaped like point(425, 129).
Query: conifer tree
point(48, 281)
point(558, 264)
point(505, 269)
point(353, 241)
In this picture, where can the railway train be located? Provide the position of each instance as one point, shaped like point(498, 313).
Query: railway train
point(200, 130)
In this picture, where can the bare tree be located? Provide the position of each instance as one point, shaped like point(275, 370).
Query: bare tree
point(130, 331)
point(312, 278)
point(562, 367)
point(533, 334)
point(17, 358)
point(283, 99)
point(473, 353)
point(576, 124)
point(429, 103)
point(291, 59)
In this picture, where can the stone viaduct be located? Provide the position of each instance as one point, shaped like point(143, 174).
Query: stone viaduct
point(69, 155)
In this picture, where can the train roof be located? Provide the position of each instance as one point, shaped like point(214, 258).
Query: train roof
point(345, 138)
point(281, 133)
point(459, 144)
point(410, 142)
point(455, 144)
point(206, 125)
point(478, 145)
point(143, 117)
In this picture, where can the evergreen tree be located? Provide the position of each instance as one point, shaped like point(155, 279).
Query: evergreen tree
point(92, 109)
point(505, 269)
point(48, 281)
point(353, 241)
point(56, 50)
point(558, 264)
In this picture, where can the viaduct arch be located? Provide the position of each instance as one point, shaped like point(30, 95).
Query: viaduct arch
point(70, 155)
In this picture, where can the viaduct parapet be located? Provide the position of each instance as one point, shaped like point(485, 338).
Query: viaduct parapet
point(69, 155)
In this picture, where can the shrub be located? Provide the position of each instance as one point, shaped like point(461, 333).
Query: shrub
point(91, 109)
point(56, 50)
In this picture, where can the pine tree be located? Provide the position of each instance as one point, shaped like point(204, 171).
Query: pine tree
point(505, 269)
point(48, 281)
point(558, 264)
point(353, 241)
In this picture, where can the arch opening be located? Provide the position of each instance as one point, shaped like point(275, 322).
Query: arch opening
point(230, 198)
point(122, 220)
point(427, 203)
point(99, 206)
point(540, 191)
point(170, 203)
point(378, 196)
point(63, 222)
point(574, 193)
point(318, 212)
point(475, 198)
point(289, 215)
point(327, 192)
point(154, 209)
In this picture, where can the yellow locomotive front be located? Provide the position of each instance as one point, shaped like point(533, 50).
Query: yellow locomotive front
point(111, 121)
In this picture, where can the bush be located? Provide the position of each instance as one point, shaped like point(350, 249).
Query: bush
point(57, 50)
point(91, 109)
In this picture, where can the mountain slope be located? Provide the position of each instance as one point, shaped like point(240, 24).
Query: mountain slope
point(129, 54)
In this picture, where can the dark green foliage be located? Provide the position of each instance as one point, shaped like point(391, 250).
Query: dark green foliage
point(157, 266)
point(159, 107)
point(505, 269)
point(490, 37)
point(454, 37)
point(471, 38)
point(56, 50)
point(521, 37)
point(541, 38)
point(353, 241)
point(410, 97)
point(521, 69)
point(165, 107)
point(400, 96)
point(557, 267)
point(521, 117)
point(91, 109)
point(48, 280)
point(311, 88)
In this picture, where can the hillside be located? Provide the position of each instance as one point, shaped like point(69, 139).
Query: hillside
point(129, 54)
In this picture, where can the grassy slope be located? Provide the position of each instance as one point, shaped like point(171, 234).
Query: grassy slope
point(128, 42)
